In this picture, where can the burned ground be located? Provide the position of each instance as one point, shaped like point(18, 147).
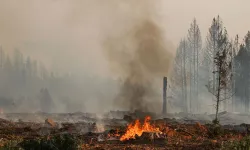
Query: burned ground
point(91, 132)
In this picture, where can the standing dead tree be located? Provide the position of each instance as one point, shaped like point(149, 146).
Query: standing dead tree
point(195, 44)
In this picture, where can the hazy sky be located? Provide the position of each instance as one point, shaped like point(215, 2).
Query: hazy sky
point(178, 14)
point(68, 34)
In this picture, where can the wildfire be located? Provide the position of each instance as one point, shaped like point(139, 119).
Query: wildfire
point(173, 134)
point(136, 128)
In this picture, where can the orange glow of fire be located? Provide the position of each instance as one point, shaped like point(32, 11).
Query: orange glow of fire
point(136, 128)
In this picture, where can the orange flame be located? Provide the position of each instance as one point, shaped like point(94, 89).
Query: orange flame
point(138, 129)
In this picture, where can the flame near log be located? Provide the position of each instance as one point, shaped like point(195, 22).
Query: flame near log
point(136, 128)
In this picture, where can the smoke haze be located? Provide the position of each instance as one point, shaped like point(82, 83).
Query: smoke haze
point(71, 37)
point(101, 42)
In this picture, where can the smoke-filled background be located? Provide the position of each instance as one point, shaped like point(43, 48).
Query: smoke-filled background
point(82, 55)
point(75, 46)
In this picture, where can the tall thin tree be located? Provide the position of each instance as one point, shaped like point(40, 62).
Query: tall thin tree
point(195, 45)
point(223, 68)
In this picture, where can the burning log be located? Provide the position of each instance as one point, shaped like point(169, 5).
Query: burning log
point(151, 136)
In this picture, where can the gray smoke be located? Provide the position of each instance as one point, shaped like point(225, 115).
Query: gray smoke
point(140, 59)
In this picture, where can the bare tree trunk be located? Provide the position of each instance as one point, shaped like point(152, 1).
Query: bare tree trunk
point(214, 52)
point(197, 77)
point(194, 39)
point(233, 83)
point(182, 76)
point(194, 69)
point(218, 96)
point(190, 89)
point(214, 77)
point(197, 73)
point(233, 52)
point(185, 77)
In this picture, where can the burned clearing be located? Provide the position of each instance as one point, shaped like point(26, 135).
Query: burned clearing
point(65, 63)
point(86, 131)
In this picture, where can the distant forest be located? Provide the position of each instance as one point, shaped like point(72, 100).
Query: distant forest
point(195, 73)
point(23, 79)
point(26, 85)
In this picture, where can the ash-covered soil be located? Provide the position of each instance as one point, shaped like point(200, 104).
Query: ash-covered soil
point(121, 130)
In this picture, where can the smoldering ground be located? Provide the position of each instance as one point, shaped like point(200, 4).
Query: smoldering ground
point(140, 58)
